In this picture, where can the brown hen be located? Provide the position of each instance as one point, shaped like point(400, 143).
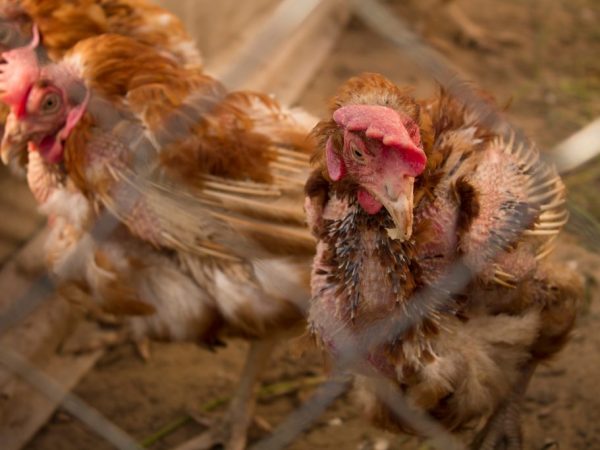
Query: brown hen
point(193, 177)
point(404, 194)
point(63, 24)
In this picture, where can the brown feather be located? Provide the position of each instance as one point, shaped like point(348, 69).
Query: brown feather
point(63, 24)
point(484, 206)
point(468, 204)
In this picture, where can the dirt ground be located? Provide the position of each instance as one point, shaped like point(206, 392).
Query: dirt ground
point(551, 78)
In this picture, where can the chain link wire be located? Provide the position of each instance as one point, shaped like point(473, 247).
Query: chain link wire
point(353, 349)
point(288, 15)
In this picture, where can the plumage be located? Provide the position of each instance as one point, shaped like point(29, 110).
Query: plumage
point(238, 158)
point(64, 24)
point(204, 188)
point(481, 205)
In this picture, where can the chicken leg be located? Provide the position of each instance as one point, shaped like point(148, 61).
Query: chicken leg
point(503, 429)
point(232, 430)
point(90, 337)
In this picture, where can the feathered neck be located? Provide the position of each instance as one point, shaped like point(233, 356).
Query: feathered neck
point(43, 178)
point(75, 155)
point(358, 239)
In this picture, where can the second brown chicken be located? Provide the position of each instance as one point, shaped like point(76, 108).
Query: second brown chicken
point(158, 183)
point(410, 199)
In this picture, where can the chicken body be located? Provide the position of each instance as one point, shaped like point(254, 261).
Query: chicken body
point(64, 24)
point(239, 156)
point(191, 179)
point(478, 205)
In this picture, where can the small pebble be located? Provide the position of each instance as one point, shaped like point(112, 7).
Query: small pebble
point(335, 422)
point(544, 412)
point(550, 444)
point(381, 444)
point(62, 417)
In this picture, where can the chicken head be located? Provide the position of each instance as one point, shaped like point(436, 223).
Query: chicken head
point(46, 103)
point(381, 152)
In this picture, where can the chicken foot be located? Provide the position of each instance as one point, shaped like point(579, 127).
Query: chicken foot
point(90, 337)
point(503, 429)
point(231, 432)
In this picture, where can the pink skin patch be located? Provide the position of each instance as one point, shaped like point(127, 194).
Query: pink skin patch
point(18, 73)
point(335, 165)
point(369, 203)
point(51, 150)
point(385, 174)
point(394, 161)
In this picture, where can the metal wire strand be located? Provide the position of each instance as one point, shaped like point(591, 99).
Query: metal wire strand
point(73, 404)
point(353, 348)
point(305, 416)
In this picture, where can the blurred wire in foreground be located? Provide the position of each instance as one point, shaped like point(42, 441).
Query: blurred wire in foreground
point(423, 424)
point(19, 309)
point(288, 16)
point(47, 386)
point(304, 417)
point(578, 149)
point(353, 349)
point(568, 155)
point(387, 24)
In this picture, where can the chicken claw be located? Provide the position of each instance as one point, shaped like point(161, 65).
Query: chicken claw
point(503, 430)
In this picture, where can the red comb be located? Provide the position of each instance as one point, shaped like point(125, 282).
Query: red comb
point(18, 73)
point(391, 127)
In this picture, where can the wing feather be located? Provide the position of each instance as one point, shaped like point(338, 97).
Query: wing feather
point(208, 215)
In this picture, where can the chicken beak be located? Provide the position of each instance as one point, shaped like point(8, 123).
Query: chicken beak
point(396, 196)
point(14, 141)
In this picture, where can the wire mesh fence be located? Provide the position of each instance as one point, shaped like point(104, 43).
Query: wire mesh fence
point(353, 349)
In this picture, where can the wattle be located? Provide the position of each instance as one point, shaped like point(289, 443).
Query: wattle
point(369, 203)
point(51, 150)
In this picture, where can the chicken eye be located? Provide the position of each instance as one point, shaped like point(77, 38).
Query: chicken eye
point(5, 34)
point(357, 154)
point(50, 103)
